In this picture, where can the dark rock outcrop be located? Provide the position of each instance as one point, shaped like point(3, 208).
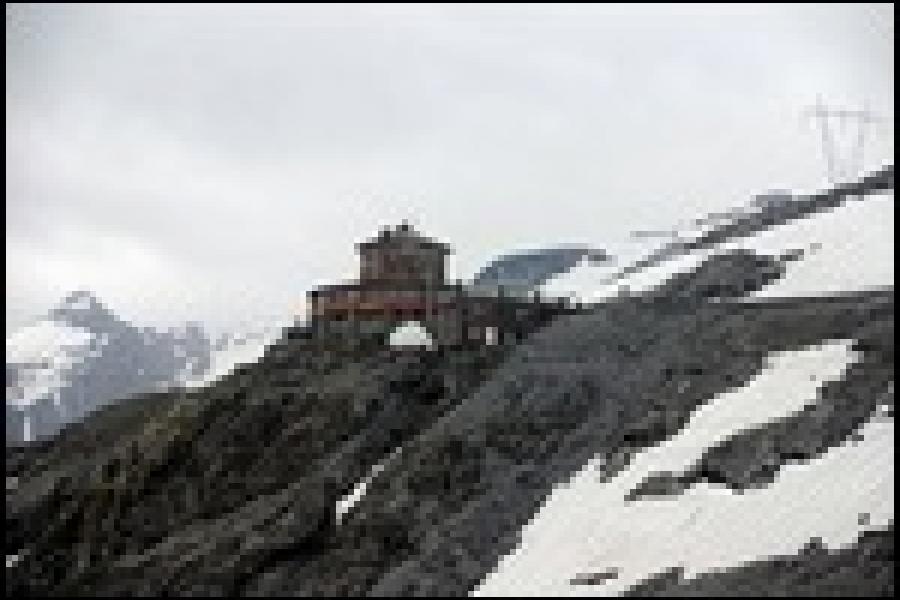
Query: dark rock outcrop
point(863, 570)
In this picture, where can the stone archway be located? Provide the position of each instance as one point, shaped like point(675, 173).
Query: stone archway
point(410, 335)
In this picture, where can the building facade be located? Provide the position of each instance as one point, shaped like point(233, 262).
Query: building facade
point(402, 279)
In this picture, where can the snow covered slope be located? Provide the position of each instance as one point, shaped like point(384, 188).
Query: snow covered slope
point(844, 247)
point(588, 526)
point(593, 536)
point(231, 351)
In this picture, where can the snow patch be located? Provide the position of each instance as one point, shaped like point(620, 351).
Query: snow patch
point(236, 352)
point(586, 526)
point(45, 340)
point(345, 504)
point(42, 355)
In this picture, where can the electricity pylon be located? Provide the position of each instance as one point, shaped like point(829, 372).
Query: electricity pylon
point(838, 166)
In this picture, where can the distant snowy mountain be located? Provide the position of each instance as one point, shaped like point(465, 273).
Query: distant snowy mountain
point(231, 350)
point(521, 272)
point(80, 356)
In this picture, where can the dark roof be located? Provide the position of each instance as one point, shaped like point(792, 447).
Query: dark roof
point(402, 233)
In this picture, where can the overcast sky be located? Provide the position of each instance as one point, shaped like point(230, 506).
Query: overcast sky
point(215, 162)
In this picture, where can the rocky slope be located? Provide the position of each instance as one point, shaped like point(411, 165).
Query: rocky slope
point(233, 487)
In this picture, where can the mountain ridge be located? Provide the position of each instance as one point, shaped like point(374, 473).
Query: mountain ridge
point(233, 488)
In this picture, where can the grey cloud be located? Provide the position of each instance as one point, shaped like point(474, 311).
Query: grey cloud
point(254, 145)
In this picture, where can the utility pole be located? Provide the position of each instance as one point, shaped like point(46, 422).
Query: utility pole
point(838, 166)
